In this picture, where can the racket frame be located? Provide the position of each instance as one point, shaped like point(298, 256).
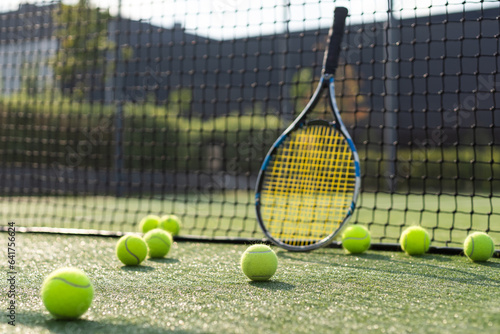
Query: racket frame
point(327, 82)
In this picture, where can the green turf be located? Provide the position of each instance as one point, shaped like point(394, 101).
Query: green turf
point(199, 289)
point(449, 219)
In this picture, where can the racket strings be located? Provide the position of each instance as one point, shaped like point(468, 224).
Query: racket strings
point(309, 186)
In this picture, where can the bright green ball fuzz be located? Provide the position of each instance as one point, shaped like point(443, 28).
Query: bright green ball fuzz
point(356, 239)
point(171, 223)
point(259, 262)
point(159, 242)
point(67, 293)
point(148, 223)
point(131, 250)
point(415, 240)
point(479, 247)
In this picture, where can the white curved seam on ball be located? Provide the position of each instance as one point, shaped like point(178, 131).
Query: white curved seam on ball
point(128, 250)
point(472, 251)
point(269, 251)
point(72, 284)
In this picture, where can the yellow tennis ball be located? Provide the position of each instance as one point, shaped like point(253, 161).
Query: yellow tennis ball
point(131, 250)
point(479, 246)
point(148, 223)
point(415, 240)
point(67, 293)
point(356, 239)
point(171, 223)
point(259, 262)
point(159, 242)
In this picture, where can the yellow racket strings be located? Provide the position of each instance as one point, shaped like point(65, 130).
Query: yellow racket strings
point(309, 186)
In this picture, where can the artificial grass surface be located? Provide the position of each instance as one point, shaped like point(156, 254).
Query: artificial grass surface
point(199, 288)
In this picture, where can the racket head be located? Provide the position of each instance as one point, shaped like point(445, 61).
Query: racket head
point(308, 186)
point(310, 179)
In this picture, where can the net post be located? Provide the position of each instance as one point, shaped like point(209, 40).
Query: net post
point(390, 102)
point(118, 116)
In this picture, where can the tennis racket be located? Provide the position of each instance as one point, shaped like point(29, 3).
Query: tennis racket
point(309, 181)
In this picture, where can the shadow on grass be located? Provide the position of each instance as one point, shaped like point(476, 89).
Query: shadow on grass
point(36, 321)
point(272, 285)
point(487, 264)
point(309, 256)
point(399, 265)
point(374, 255)
point(371, 256)
point(314, 257)
point(438, 258)
point(139, 268)
point(164, 260)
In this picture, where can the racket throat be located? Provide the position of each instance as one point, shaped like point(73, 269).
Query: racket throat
point(320, 122)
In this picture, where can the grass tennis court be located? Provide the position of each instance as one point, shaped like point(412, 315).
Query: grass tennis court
point(448, 218)
point(114, 110)
point(199, 288)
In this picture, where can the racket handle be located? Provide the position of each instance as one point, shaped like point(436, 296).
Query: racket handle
point(335, 35)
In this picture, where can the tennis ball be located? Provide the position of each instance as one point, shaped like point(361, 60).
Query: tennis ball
point(356, 239)
point(479, 246)
point(131, 250)
point(259, 262)
point(148, 223)
point(67, 293)
point(170, 223)
point(159, 242)
point(415, 240)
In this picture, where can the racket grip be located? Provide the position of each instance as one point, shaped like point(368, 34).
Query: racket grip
point(335, 35)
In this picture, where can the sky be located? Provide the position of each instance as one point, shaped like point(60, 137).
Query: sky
point(226, 19)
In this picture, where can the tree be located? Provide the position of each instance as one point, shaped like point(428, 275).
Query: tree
point(80, 62)
point(179, 101)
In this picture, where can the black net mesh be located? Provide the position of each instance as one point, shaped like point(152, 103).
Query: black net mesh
point(135, 107)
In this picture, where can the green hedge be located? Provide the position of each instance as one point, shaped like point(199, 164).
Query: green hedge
point(234, 143)
point(438, 169)
point(83, 135)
